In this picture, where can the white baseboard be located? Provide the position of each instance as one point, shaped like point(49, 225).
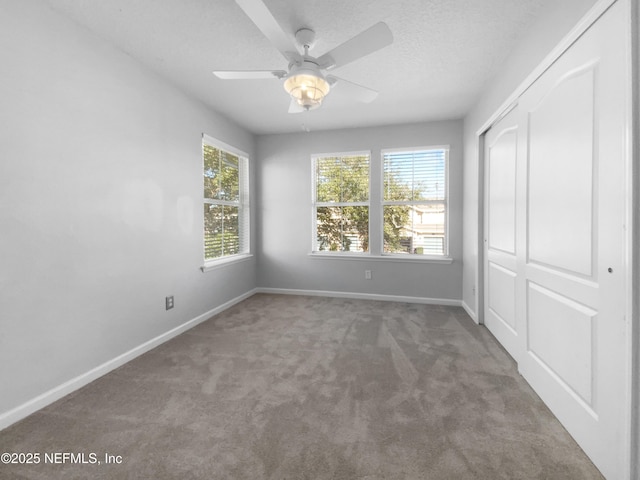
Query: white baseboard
point(470, 312)
point(362, 296)
point(18, 413)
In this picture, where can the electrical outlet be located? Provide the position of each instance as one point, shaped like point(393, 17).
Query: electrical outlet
point(367, 274)
point(473, 290)
point(168, 301)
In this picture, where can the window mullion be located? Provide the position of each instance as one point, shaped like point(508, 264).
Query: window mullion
point(227, 203)
point(413, 202)
point(342, 204)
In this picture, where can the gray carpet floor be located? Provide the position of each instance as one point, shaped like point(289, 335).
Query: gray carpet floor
point(286, 387)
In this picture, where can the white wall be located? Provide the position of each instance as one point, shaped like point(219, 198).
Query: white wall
point(555, 22)
point(100, 204)
point(285, 214)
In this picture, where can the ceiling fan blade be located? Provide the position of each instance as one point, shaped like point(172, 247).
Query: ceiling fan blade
point(369, 41)
point(249, 74)
point(295, 108)
point(258, 12)
point(352, 90)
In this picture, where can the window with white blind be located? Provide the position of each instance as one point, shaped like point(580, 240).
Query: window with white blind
point(226, 200)
point(414, 201)
point(341, 202)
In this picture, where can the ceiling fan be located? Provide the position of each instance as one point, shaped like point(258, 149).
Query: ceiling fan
point(305, 78)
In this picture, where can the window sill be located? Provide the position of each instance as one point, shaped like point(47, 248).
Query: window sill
point(384, 258)
point(226, 261)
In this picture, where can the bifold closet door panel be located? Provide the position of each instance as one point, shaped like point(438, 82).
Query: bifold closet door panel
point(500, 253)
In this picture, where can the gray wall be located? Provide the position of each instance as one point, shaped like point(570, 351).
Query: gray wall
point(557, 19)
point(285, 214)
point(100, 204)
point(635, 387)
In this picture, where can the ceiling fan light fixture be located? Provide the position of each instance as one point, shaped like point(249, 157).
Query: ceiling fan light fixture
point(307, 87)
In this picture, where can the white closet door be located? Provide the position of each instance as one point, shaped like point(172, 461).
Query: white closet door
point(556, 244)
point(500, 268)
point(574, 269)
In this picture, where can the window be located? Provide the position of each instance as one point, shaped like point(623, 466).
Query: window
point(341, 202)
point(407, 209)
point(226, 200)
point(414, 201)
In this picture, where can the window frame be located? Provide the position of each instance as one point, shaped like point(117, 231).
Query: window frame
point(243, 203)
point(315, 204)
point(445, 201)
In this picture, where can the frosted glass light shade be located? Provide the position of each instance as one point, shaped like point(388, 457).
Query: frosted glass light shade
point(307, 89)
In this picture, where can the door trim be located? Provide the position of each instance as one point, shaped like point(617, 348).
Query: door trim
point(583, 25)
point(633, 144)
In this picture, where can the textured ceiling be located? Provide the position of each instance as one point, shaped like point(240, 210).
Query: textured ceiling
point(444, 52)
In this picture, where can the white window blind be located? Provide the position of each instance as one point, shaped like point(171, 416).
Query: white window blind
point(414, 201)
point(226, 200)
point(341, 202)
